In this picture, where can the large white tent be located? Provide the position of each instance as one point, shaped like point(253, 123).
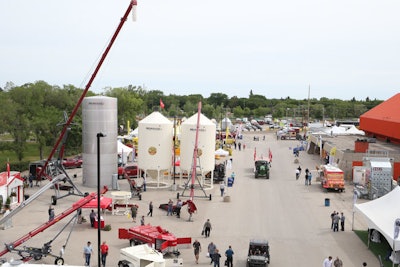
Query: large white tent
point(381, 215)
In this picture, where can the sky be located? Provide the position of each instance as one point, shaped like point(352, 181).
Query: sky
point(288, 48)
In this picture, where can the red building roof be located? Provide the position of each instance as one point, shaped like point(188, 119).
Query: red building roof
point(383, 121)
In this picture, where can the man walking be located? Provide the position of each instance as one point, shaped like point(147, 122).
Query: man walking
point(229, 256)
point(327, 262)
point(197, 250)
point(207, 228)
point(338, 262)
point(104, 253)
point(342, 219)
point(211, 251)
point(150, 209)
point(87, 252)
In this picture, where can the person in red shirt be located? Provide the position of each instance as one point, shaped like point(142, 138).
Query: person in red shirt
point(104, 253)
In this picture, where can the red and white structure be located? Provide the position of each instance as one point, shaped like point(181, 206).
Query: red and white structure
point(11, 185)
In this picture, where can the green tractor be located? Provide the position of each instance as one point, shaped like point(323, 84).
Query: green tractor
point(261, 168)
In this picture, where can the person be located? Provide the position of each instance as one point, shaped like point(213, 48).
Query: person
point(104, 253)
point(142, 221)
point(327, 262)
point(197, 250)
point(211, 250)
point(87, 252)
point(51, 213)
point(216, 258)
point(134, 209)
point(297, 173)
point(338, 262)
point(336, 220)
point(306, 177)
point(309, 177)
point(207, 228)
point(332, 215)
point(229, 256)
point(240, 146)
point(8, 223)
point(222, 188)
point(150, 209)
point(233, 175)
point(170, 207)
point(30, 178)
point(178, 208)
point(79, 211)
point(342, 219)
point(92, 217)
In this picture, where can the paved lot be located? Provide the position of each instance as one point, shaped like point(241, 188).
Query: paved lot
point(289, 214)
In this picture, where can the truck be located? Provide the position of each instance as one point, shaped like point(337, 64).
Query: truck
point(145, 256)
point(258, 254)
point(332, 178)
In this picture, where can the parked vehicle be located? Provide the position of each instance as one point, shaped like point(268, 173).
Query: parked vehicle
point(130, 170)
point(71, 163)
point(332, 178)
point(258, 254)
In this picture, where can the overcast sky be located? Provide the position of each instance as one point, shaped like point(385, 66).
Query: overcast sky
point(341, 48)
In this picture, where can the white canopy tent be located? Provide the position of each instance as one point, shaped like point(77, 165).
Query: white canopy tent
point(124, 151)
point(381, 215)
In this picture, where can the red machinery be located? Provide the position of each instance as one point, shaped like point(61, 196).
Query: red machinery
point(157, 237)
point(32, 252)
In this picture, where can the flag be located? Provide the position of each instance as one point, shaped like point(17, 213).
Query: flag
point(270, 154)
point(8, 169)
point(161, 104)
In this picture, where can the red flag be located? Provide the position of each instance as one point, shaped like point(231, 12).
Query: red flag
point(161, 104)
point(8, 169)
point(270, 154)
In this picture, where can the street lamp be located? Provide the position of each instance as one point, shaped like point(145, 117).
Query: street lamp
point(99, 135)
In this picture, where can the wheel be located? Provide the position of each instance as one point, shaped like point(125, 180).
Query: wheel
point(59, 261)
point(53, 200)
point(37, 257)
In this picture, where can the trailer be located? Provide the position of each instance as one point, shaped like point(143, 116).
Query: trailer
point(145, 256)
point(332, 178)
point(155, 236)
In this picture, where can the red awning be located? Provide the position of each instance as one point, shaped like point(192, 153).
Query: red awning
point(105, 203)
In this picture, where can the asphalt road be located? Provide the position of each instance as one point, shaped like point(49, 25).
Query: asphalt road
point(289, 214)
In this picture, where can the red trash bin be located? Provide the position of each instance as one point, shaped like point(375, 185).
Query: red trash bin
point(96, 224)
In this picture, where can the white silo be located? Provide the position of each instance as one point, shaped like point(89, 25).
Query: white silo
point(99, 115)
point(206, 143)
point(155, 145)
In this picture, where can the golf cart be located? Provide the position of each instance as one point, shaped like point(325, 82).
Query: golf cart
point(258, 254)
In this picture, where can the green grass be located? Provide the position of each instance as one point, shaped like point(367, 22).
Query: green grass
point(31, 153)
point(376, 248)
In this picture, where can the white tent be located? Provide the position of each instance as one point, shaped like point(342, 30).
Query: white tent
point(124, 151)
point(353, 131)
point(381, 215)
point(221, 152)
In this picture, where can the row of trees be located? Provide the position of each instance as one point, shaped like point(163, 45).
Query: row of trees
point(35, 111)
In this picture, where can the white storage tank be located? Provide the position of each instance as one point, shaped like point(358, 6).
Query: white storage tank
point(155, 143)
point(206, 143)
point(99, 115)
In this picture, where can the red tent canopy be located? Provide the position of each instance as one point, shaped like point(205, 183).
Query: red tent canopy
point(105, 203)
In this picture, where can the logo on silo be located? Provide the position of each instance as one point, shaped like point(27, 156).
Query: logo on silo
point(152, 150)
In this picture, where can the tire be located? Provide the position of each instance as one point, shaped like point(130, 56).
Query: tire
point(59, 261)
point(37, 257)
